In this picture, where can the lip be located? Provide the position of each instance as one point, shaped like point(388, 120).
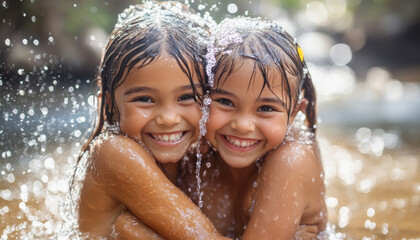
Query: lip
point(167, 143)
point(236, 148)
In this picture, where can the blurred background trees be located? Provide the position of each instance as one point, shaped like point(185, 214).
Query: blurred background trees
point(71, 33)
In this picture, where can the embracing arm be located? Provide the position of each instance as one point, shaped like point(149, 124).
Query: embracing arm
point(127, 226)
point(132, 177)
point(290, 195)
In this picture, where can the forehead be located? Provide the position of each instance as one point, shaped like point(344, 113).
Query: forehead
point(163, 70)
point(247, 73)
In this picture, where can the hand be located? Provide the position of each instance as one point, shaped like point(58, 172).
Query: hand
point(306, 232)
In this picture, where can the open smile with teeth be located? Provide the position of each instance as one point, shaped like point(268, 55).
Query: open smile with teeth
point(167, 137)
point(240, 142)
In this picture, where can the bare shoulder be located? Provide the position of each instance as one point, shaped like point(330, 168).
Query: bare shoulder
point(115, 155)
point(296, 156)
point(117, 144)
point(298, 165)
point(117, 147)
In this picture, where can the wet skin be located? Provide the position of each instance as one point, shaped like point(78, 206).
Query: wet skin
point(155, 105)
point(287, 204)
point(288, 191)
point(246, 123)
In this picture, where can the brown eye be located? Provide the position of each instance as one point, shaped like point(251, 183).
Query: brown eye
point(266, 108)
point(225, 102)
point(186, 97)
point(143, 99)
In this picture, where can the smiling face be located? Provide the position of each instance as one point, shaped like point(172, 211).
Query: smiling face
point(155, 105)
point(244, 122)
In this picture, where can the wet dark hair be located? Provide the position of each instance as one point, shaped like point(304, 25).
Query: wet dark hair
point(272, 49)
point(142, 33)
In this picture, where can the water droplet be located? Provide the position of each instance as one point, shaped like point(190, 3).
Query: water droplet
point(370, 212)
point(385, 228)
point(6, 194)
point(201, 7)
point(33, 18)
point(36, 42)
point(77, 133)
point(232, 8)
point(49, 163)
point(10, 178)
point(7, 42)
point(42, 138)
point(44, 111)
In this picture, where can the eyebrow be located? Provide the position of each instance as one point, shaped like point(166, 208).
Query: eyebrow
point(138, 89)
point(188, 87)
point(142, 89)
point(221, 91)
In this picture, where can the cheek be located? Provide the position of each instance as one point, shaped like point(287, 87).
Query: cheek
point(132, 120)
point(216, 121)
point(274, 131)
point(193, 115)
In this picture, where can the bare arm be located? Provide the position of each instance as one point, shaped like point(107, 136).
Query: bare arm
point(289, 194)
point(127, 227)
point(132, 177)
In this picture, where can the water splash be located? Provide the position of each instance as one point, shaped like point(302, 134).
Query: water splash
point(205, 111)
point(152, 12)
point(299, 132)
point(330, 234)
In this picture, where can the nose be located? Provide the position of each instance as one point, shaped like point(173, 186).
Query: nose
point(243, 124)
point(168, 117)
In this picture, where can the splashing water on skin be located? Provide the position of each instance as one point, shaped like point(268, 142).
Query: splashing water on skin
point(205, 111)
point(69, 207)
point(153, 12)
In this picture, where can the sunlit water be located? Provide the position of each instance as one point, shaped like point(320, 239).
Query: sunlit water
point(372, 172)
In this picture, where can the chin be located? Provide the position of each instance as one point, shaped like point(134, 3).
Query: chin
point(237, 162)
point(238, 165)
point(167, 158)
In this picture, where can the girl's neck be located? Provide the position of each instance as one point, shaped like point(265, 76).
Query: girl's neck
point(238, 175)
point(170, 170)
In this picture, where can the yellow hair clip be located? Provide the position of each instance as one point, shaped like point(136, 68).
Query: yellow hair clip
point(300, 52)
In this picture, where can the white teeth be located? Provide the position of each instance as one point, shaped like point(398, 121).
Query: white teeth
point(167, 137)
point(239, 143)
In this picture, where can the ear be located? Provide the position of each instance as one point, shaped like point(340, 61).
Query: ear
point(299, 107)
